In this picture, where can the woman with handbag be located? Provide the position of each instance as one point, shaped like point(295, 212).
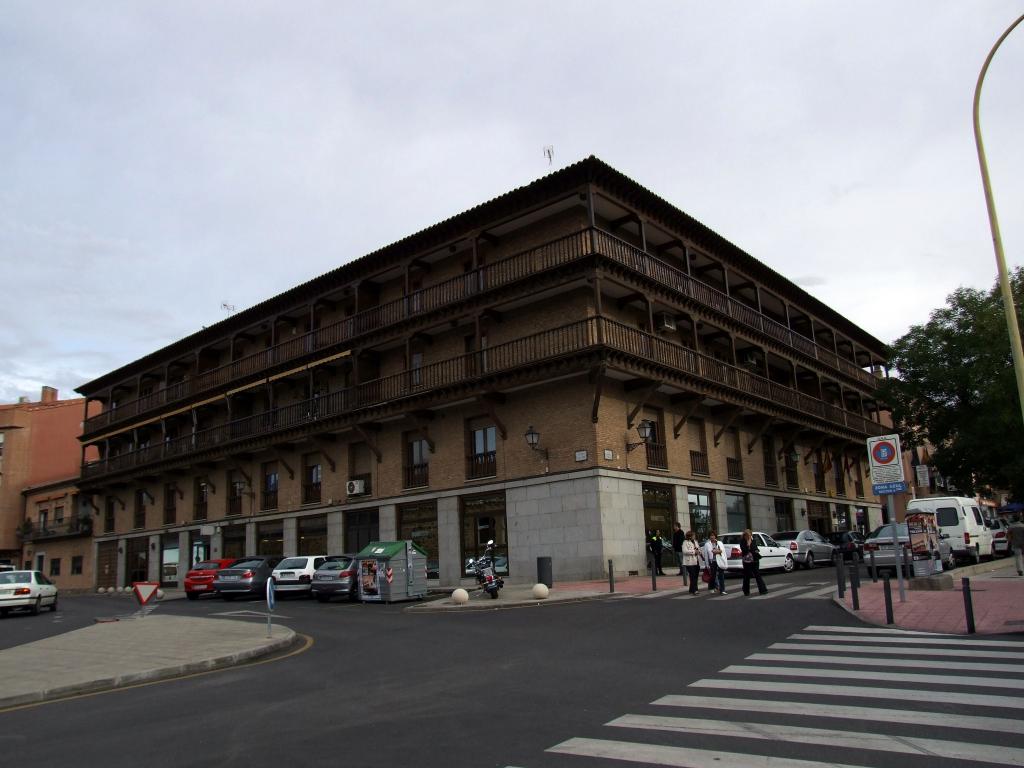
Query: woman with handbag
point(689, 549)
point(714, 556)
point(751, 563)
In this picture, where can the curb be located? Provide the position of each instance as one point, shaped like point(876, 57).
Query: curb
point(499, 605)
point(152, 675)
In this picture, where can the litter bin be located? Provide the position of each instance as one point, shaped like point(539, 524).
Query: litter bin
point(544, 571)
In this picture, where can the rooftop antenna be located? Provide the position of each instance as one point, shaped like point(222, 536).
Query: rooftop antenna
point(228, 307)
point(549, 153)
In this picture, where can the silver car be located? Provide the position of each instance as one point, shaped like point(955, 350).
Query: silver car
point(246, 577)
point(336, 578)
point(807, 547)
point(880, 544)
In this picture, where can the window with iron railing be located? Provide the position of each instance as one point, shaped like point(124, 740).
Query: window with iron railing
point(170, 503)
point(417, 462)
point(108, 516)
point(202, 491)
point(733, 468)
point(771, 467)
point(818, 470)
point(268, 493)
point(139, 517)
point(840, 477)
point(699, 463)
point(483, 457)
point(792, 473)
point(657, 453)
point(312, 478)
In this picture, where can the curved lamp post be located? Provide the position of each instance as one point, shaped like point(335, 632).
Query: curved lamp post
point(997, 240)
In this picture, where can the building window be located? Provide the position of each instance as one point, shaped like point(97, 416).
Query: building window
point(818, 470)
point(44, 521)
point(702, 518)
point(417, 461)
point(657, 455)
point(312, 535)
point(483, 451)
point(108, 515)
point(268, 493)
point(698, 441)
point(236, 492)
point(792, 474)
point(55, 566)
point(76, 565)
point(736, 515)
point(312, 476)
point(840, 476)
point(202, 497)
point(771, 467)
point(858, 480)
point(418, 522)
point(415, 368)
point(733, 461)
point(139, 516)
point(170, 503)
point(483, 520)
point(784, 515)
point(270, 539)
point(58, 515)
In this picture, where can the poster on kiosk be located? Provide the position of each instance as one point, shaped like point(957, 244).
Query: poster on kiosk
point(924, 542)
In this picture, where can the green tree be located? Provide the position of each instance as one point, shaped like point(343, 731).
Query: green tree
point(955, 387)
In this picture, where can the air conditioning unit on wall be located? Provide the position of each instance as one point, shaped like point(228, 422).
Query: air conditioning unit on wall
point(356, 487)
point(666, 322)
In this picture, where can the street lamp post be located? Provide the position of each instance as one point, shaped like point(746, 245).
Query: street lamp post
point(997, 240)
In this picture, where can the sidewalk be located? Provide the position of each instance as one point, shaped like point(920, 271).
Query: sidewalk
point(997, 595)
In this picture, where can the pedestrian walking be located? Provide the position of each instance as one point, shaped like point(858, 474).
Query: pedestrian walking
point(751, 563)
point(677, 546)
point(1016, 533)
point(714, 556)
point(690, 560)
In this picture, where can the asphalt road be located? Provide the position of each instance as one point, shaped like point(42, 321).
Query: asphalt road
point(384, 686)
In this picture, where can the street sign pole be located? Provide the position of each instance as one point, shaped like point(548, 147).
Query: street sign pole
point(886, 464)
point(270, 604)
point(897, 550)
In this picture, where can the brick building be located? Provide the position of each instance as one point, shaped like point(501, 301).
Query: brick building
point(557, 369)
point(39, 447)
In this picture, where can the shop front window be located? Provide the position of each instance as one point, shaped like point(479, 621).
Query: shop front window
point(418, 523)
point(270, 539)
point(312, 535)
point(736, 515)
point(701, 513)
point(483, 520)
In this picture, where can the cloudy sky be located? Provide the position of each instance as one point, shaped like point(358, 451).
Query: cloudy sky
point(158, 159)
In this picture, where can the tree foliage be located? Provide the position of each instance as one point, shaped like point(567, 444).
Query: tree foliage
point(955, 388)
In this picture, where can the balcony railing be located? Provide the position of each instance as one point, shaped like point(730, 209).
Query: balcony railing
point(593, 334)
point(268, 500)
point(199, 510)
point(657, 456)
point(699, 463)
point(76, 526)
point(234, 505)
point(771, 475)
point(481, 465)
point(733, 468)
point(417, 475)
point(558, 252)
point(792, 477)
point(311, 493)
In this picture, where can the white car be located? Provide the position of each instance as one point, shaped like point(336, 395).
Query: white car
point(26, 589)
point(773, 554)
point(294, 575)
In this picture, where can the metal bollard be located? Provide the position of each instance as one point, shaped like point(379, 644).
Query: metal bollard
point(874, 571)
point(611, 577)
point(654, 572)
point(841, 577)
point(968, 605)
point(976, 555)
point(887, 592)
point(855, 586)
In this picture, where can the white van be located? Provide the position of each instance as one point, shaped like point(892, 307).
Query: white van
point(961, 519)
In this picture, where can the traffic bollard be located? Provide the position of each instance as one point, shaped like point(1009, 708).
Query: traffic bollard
point(968, 605)
point(611, 577)
point(841, 578)
point(887, 591)
point(855, 586)
point(654, 573)
point(874, 571)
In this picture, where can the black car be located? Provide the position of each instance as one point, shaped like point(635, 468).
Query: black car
point(850, 543)
point(247, 576)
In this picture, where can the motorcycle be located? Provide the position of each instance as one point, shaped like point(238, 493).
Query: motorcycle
point(483, 569)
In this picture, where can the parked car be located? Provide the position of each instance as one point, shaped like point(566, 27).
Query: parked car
point(26, 589)
point(961, 519)
point(807, 547)
point(773, 554)
point(1000, 536)
point(294, 575)
point(336, 577)
point(199, 579)
point(849, 543)
point(880, 542)
point(247, 576)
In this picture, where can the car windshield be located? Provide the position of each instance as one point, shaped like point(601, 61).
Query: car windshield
point(16, 577)
point(248, 564)
point(336, 565)
point(293, 562)
point(206, 567)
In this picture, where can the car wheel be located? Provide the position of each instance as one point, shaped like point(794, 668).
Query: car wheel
point(950, 562)
point(809, 561)
point(53, 605)
point(192, 595)
point(788, 565)
point(35, 606)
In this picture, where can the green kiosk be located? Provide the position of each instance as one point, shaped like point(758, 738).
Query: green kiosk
point(390, 571)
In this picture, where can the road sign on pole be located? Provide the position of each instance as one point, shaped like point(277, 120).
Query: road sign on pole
point(270, 604)
point(145, 591)
point(886, 463)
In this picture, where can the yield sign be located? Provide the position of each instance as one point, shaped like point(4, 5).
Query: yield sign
point(145, 590)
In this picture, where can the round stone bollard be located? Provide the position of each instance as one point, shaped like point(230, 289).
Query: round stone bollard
point(159, 594)
point(460, 596)
point(101, 590)
point(540, 591)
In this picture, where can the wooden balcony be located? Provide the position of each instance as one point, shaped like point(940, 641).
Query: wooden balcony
point(450, 293)
point(577, 345)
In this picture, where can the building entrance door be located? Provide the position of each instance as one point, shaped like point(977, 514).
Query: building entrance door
point(818, 519)
point(360, 529)
point(106, 564)
point(659, 515)
point(136, 560)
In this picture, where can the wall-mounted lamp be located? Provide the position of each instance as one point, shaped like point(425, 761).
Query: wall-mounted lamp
point(152, 546)
point(533, 440)
point(120, 550)
point(644, 430)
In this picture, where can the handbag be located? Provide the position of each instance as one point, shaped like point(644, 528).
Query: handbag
point(748, 558)
point(705, 576)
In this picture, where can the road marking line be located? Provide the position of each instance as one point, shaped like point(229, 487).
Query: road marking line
point(790, 734)
point(885, 677)
point(779, 592)
point(882, 649)
point(818, 593)
point(934, 640)
point(679, 757)
point(863, 692)
point(661, 593)
point(868, 630)
point(871, 714)
point(961, 666)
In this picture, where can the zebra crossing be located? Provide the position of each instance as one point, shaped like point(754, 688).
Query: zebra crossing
point(846, 697)
point(810, 591)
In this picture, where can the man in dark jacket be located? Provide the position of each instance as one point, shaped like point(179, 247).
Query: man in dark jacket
point(654, 547)
point(677, 546)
